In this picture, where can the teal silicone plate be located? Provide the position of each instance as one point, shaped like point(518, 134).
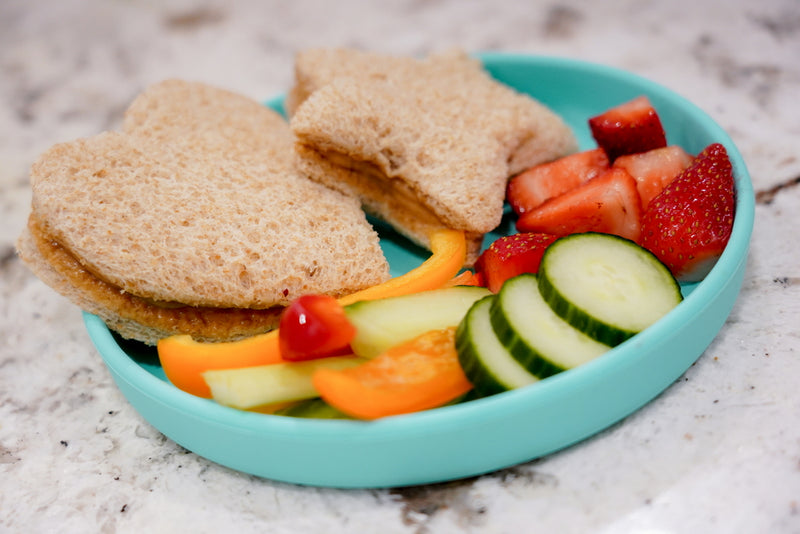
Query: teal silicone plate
point(487, 434)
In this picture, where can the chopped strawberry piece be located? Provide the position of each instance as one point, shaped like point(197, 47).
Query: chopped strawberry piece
point(628, 128)
point(510, 256)
point(689, 223)
point(654, 169)
point(608, 204)
point(531, 188)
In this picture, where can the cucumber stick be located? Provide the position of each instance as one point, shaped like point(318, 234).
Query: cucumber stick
point(606, 286)
point(488, 365)
point(540, 340)
point(312, 409)
point(383, 323)
point(250, 387)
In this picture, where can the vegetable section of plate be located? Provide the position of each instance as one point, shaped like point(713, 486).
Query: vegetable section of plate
point(550, 357)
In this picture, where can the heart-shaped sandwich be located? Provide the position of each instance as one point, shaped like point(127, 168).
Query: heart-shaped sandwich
point(192, 220)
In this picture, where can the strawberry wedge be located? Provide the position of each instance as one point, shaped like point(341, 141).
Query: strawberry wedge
point(654, 169)
point(628, 128)
point(689, 223)
point(510, 256)
point(608, 204)
point(530, 189)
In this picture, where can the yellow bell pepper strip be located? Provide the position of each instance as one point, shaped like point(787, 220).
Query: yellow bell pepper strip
point(417, 375)
point(184, 360)
point(448, 254)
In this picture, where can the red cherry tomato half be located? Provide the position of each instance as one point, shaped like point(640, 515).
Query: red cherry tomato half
point(314, 326)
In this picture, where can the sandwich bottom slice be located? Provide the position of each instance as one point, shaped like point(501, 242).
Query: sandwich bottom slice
point(130, 316)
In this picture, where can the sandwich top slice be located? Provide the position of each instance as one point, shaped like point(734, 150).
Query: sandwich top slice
point(423, 143)
point(192, 220)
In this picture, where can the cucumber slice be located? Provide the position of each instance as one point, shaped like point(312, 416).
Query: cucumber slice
point(383, 323)
point(606, 286)
point(486, 362)
point(541, 341)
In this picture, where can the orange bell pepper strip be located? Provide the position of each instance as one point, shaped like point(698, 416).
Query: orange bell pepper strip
point(419, 374)
point(184, 360)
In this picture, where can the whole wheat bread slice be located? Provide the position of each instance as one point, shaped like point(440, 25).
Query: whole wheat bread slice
point(194, 210)
point(423, 143)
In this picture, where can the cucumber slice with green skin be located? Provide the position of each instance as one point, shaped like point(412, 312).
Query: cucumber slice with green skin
point(383, 323)
point(541, 341)
point(606, 286)
point(487, 363)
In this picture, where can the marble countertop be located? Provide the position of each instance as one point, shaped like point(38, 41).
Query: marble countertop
point(717, 452)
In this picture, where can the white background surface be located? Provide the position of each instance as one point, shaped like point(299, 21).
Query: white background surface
point(718, 452)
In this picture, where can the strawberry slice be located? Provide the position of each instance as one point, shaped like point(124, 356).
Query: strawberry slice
point(531, 188)
point(654, 169)
point(510, 256)
point(628, 128)
point(689, 223)
point(608, 204)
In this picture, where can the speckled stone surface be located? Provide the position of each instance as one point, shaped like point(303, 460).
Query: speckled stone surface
point(718, 452)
